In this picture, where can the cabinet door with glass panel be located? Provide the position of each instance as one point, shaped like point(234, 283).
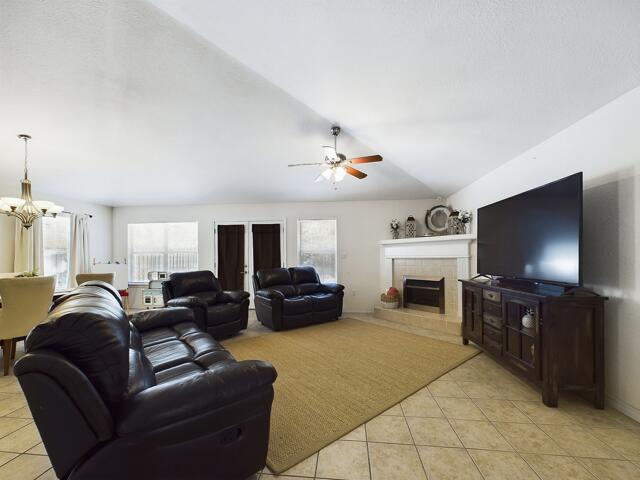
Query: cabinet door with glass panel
point(521, 344)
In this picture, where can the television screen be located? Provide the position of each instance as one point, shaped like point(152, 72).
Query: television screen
point(536, 235)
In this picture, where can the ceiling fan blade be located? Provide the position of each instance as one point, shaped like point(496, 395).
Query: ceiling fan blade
point(356, 173)
point(304, 164)
point(369, 159)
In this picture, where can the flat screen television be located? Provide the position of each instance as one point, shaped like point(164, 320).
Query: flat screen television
point(536, 235)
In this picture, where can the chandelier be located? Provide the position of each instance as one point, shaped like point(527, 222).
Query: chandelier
point(25, 208)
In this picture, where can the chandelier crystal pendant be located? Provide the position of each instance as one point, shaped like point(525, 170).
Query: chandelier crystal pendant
point(25, 208)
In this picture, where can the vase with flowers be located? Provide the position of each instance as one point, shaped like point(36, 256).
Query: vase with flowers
point(459, 222)
point(464, 216)
point(394, 226)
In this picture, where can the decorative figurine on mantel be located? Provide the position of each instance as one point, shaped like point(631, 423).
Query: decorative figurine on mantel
point(410, 227)
point(459, 222)
point(394, 226)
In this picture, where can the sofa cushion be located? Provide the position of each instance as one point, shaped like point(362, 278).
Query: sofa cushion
point(308, 288)
point(179, 372)
point(324, 301)
point(296, 305)
point(210, 297)
point(188, 283)
point(223, 313)
point(285, 290)
point(270, 277)
point(157, 335)
point(306, 274)
point(168, 354)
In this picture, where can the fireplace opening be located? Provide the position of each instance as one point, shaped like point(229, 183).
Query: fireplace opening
point(423, 293)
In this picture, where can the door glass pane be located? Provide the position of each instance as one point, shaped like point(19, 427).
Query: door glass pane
point(317, 245)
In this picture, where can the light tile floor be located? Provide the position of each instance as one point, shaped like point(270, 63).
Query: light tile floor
point(477, 421)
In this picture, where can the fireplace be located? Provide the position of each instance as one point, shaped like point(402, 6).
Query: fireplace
point(424, 293)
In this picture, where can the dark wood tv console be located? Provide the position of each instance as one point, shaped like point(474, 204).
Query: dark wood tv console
point(563, 349)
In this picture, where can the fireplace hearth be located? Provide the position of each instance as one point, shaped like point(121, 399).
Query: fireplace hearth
point(424, 293)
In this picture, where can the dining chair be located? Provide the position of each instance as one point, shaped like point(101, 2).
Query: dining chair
point(85, 277)
point(25, 302)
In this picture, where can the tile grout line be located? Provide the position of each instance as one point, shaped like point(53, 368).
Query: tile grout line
point(413, 440)
point(366, 438)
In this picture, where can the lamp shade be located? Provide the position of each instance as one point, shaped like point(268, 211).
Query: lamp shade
point(13, 202)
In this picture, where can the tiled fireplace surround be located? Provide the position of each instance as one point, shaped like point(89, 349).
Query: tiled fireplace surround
point(446, 256)
point(430, 267)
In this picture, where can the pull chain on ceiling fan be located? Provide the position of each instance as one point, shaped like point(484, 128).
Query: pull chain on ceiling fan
point(337, 166)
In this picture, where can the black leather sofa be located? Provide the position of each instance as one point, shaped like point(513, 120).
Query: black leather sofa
point(221, 313)
point(294, 297)
point(149, 396)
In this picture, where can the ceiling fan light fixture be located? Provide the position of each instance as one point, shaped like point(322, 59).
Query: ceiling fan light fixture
point(340, 173)
point(327, 174)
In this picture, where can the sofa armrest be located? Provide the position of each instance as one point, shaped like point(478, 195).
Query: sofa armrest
point(189, 302)
point(161, 317)
point(332, 288)
point(197, 305)
point(174, 401)
point(233, 296)
point(270, 293)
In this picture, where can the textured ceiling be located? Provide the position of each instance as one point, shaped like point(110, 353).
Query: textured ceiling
point(128, 107)
point(207, 101)
point(445, 89)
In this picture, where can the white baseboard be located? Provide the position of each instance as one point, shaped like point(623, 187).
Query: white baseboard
point(624, 407)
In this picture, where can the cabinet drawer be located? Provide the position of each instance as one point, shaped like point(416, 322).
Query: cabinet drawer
point(493, 308)
point(492, 334)
point(491, 295)
point(494, 321)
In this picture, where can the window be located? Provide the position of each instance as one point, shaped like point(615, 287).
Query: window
point(317, 246)
point(163, 247)
point(56, 244)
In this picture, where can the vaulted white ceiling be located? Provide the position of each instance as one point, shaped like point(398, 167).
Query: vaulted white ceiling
point(208, 101)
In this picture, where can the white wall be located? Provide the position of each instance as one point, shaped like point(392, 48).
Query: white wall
point(605, 146)
point(100, 224)
point(361, 225)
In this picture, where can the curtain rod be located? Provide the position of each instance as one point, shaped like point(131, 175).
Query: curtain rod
point(87, 214)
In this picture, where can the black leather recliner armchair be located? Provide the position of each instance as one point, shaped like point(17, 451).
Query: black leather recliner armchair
point(294, 297)
point(145, 397)
point(221, 313)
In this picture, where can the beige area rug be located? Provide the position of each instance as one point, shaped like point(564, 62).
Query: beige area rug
point(336, 376)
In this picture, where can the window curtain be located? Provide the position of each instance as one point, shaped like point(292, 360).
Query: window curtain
point(266, 246)
point(79, 261)
point(28, 250)
point(231, 256)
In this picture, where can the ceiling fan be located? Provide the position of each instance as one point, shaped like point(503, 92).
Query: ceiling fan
point(337, 166)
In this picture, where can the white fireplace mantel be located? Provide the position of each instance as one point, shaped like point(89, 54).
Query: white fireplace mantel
point(445, 246)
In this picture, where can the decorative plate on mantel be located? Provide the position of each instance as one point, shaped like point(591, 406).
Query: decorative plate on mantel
point(437, 219)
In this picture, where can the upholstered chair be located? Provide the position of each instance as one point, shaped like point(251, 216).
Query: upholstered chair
point(25, 302)
point(221, 313)
point(103, 277)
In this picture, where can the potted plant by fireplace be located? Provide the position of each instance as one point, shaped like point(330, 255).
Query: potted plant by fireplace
point(391, 298)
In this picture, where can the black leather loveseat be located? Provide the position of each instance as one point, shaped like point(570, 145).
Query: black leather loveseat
point(145, 397)
point(221, 313)
point(294, 297)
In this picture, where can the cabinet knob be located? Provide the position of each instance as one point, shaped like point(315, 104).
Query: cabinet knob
point(533, 350)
